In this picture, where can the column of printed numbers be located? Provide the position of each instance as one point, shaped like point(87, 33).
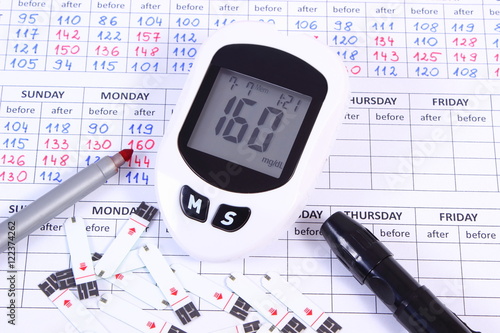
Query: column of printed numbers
point(308, 18)
point(386, 38)
point(19, 123)
point(59, 138)
point(426, 41)
point(347, 35)
point(188, 29)
point(101, 125)
point(4, 29)
point(465, 42)
point(108, 36)
point(68, 37)
point(28, 35)
point(142, 131)
point(148, 38)
point(492, 31)
point(223, 13)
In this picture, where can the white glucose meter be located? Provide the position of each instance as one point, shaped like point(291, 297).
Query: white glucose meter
point(250, 134)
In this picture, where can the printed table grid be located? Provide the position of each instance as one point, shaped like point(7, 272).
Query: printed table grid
point(385, 129)
point(443, 255)
point(442, 142)
point(397, 40)
point(388, 146)
point(66, 129)
point(402, 146)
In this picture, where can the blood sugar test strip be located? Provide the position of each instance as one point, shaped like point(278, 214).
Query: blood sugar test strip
point(215, 294)
point(71, 307)
point(252, 327)
point(302, 306)
point(264, 304)
point(168, 283)
point(140, 288)
point(131, 262)
point(81, 259)
point(65, 279)
point(124, 241)
point(50, 285)
point(134, 316)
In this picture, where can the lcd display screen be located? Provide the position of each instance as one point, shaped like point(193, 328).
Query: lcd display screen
point(251, 122)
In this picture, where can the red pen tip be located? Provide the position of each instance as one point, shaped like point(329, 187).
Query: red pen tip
point(127, 154)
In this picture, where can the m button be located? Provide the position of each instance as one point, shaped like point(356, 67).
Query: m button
point(194, 205)
point(230, 218)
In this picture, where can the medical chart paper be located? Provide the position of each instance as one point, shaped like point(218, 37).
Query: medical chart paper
point(416, 160)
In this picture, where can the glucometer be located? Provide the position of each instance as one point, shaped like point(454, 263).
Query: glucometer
point(247, 139)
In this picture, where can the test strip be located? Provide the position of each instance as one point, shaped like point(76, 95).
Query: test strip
point(124, 241)
point(302, 306)
point(81, 259)
point(65, 279)
point(71, 307)
point(140, 288)
point(131, 262)
point(264, 304)
point(50, 285)
point(215, 294)
point(134, 316)
point(252, 327)
point(168, 283)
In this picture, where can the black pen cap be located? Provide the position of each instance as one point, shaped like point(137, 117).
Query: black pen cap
point(358, 250)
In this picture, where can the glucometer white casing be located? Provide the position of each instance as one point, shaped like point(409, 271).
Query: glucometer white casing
point(248, 138)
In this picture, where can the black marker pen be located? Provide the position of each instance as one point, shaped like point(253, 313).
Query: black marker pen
point(371, 263)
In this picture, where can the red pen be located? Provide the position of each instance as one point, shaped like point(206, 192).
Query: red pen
point(60, 198)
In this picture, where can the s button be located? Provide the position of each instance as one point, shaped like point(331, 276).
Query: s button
point(230, 218)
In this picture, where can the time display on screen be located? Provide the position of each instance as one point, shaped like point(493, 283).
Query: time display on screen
point(251, 122)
